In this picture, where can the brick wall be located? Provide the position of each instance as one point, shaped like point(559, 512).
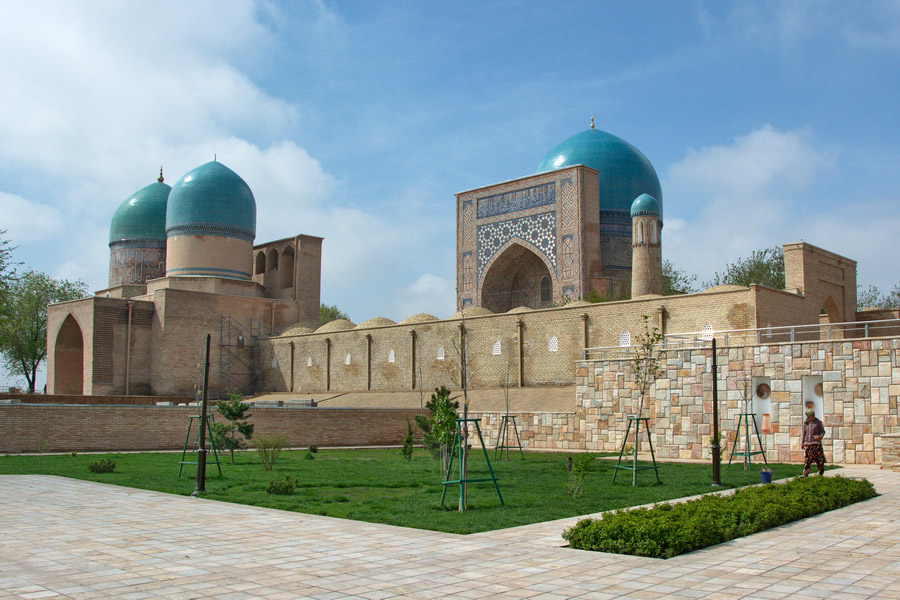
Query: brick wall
point(73, 399)
point(59, 428)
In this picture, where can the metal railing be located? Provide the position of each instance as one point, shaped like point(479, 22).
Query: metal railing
point(853, 330)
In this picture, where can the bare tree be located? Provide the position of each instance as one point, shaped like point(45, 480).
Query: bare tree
point(461, 376)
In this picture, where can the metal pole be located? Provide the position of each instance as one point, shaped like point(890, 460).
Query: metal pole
point(201, 452)
point(716, 455)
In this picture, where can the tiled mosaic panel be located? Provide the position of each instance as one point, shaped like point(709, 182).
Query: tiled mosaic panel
point(538, 230)
point(137, 265)
point(615, 239)
point(499, 204)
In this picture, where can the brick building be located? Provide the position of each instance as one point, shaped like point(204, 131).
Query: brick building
point(588, 224)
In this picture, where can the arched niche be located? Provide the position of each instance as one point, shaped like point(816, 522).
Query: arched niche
point(68, 365)
point(287, 268)
point(260, 268)
point(514, 279)
point(270, 280)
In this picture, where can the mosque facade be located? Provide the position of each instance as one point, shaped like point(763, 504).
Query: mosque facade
point(531, 252)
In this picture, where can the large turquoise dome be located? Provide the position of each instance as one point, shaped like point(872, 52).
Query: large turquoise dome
point(142, 217)
point(212, 200)
point(625, 173)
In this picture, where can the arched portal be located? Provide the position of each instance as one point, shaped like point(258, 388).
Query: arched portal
point(68, 371)
point(260, 263)
point(515, 279)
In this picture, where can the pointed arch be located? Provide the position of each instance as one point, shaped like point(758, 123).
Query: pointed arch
point(513, 277)
point(68, 358)
point(287, 268)
point(260, 263)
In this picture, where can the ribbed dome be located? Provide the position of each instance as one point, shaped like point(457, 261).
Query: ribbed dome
point(212, 200)
point(645, 204)
point(142, 217)
point(625, 173)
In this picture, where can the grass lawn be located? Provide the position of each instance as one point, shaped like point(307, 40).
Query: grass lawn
point(380, 487)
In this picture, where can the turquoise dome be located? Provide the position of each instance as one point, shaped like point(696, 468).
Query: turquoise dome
point(142, 217)
point(645, 204)
point(625, 173)
point(212, 200)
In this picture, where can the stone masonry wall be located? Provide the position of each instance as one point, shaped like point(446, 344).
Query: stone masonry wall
point(861, 383)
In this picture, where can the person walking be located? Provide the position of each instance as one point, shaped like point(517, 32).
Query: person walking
point(811, 441)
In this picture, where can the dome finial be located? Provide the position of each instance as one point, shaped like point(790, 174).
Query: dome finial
point(592, 121)
point(160, 178)
point(215, 157)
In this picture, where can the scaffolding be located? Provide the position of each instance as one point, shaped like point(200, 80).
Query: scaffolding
point(239, 356)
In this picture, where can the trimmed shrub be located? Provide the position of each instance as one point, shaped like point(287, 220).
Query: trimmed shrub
point(282, 487)
point(313, 448)
point(667, 530)
point(104, 465)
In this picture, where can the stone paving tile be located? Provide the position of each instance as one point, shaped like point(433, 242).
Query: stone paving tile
point(75, 539)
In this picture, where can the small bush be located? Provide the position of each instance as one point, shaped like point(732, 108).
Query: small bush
point(667, 530)
point(309, 456)
point(269, 447)
point(104, 465)
point(313, 448)
point(406, 448)
point(578, 467)
point(282, 487)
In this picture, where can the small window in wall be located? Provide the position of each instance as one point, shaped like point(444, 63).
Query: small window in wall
point(497, 348)
point(391, 356)
point(640, 232)
point(546, 289)
point(347, 359)
point(707, 332)
point(553, 344)
point(309, 361)
point(653, 233)
point(440, 353)
point(625, 338)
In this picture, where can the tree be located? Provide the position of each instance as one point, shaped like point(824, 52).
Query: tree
point(676, 281)
point(23, 320)
point(7, 267)
point(763, 267)
point(233, 410)
point(871, 297)
point(439, 429)
point(329, 313)
point(646, 361)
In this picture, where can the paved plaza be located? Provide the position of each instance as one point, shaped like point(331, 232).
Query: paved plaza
point(64, 538)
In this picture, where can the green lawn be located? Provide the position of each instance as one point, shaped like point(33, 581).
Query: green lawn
point(379, 486)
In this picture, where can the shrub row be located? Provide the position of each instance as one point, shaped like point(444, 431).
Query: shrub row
point(667, 530)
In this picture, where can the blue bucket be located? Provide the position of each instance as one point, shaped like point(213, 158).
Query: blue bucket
point(765, 476)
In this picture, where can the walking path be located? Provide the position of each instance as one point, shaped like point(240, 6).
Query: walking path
point(63, 538)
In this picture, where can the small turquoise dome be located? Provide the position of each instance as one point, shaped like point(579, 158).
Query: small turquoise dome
point(625, 173)
point(142, 217)
point(645, 204)
point(212, 200)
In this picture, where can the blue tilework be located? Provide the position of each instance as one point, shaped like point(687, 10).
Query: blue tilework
point(625, 173)
point(141, 216)
point(209, 197)
point(538, 230)
point(499, 204)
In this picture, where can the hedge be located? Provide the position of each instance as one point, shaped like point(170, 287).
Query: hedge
point(667, 530)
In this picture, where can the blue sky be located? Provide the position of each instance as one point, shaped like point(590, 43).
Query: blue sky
point(767, 122)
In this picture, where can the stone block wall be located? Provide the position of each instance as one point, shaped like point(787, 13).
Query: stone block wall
point(861, 384)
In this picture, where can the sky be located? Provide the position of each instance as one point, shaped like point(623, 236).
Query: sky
point(358, 121)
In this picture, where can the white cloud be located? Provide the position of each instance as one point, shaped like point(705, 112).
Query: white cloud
point(744, 195)
point(27, 221)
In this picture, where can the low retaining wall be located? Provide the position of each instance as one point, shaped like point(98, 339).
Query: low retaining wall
point(61, 428)
point(78, 399)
